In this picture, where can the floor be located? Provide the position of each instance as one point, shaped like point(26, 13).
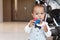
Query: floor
point(14, 31)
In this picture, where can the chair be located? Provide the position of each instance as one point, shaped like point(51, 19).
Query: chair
point(55, 20)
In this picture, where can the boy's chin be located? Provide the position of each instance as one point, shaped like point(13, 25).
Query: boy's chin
point(41, 20)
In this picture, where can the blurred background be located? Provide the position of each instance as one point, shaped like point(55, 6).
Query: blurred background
point(14, 16)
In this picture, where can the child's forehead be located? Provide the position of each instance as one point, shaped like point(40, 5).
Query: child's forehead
point(38, 8)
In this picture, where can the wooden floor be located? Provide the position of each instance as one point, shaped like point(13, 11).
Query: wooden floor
point(14, 31)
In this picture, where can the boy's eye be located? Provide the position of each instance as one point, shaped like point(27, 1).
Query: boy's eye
point(36, 13)
point(41, 13)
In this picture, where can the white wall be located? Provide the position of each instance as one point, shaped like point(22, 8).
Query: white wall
point(1, 10)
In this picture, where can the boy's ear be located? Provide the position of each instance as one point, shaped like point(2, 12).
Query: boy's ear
point(32, 14)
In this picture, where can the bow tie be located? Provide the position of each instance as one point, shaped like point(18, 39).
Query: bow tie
point(37, 26)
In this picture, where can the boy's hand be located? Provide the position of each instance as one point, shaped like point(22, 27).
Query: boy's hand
point(31, 23)
point(45, 28)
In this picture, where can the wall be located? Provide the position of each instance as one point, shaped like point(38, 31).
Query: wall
point(1, 10)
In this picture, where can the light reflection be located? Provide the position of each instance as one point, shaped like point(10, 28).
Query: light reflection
point(15, 5)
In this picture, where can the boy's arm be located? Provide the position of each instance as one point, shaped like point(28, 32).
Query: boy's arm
point(48, 33)
point(27, 28)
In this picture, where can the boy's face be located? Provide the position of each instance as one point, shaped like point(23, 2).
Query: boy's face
point(38, 12)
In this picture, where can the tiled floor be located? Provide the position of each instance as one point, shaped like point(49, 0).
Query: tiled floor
point(14, 31)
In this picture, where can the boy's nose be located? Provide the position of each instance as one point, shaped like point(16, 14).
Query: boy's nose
point(39, 15)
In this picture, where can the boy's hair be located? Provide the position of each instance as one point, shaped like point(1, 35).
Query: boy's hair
point(39, 6)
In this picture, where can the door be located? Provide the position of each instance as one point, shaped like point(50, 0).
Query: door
point(6, 10)
point(22, 9)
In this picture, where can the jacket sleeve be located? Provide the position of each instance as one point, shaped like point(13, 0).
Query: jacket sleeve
point(27, 28)
point(48, 33)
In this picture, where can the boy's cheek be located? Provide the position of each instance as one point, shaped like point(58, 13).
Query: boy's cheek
point(36, 17)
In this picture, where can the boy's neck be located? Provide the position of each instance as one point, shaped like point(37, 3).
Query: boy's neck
point(41, 22)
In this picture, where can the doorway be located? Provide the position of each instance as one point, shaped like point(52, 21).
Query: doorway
point(21, 10)
point(17, 10)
